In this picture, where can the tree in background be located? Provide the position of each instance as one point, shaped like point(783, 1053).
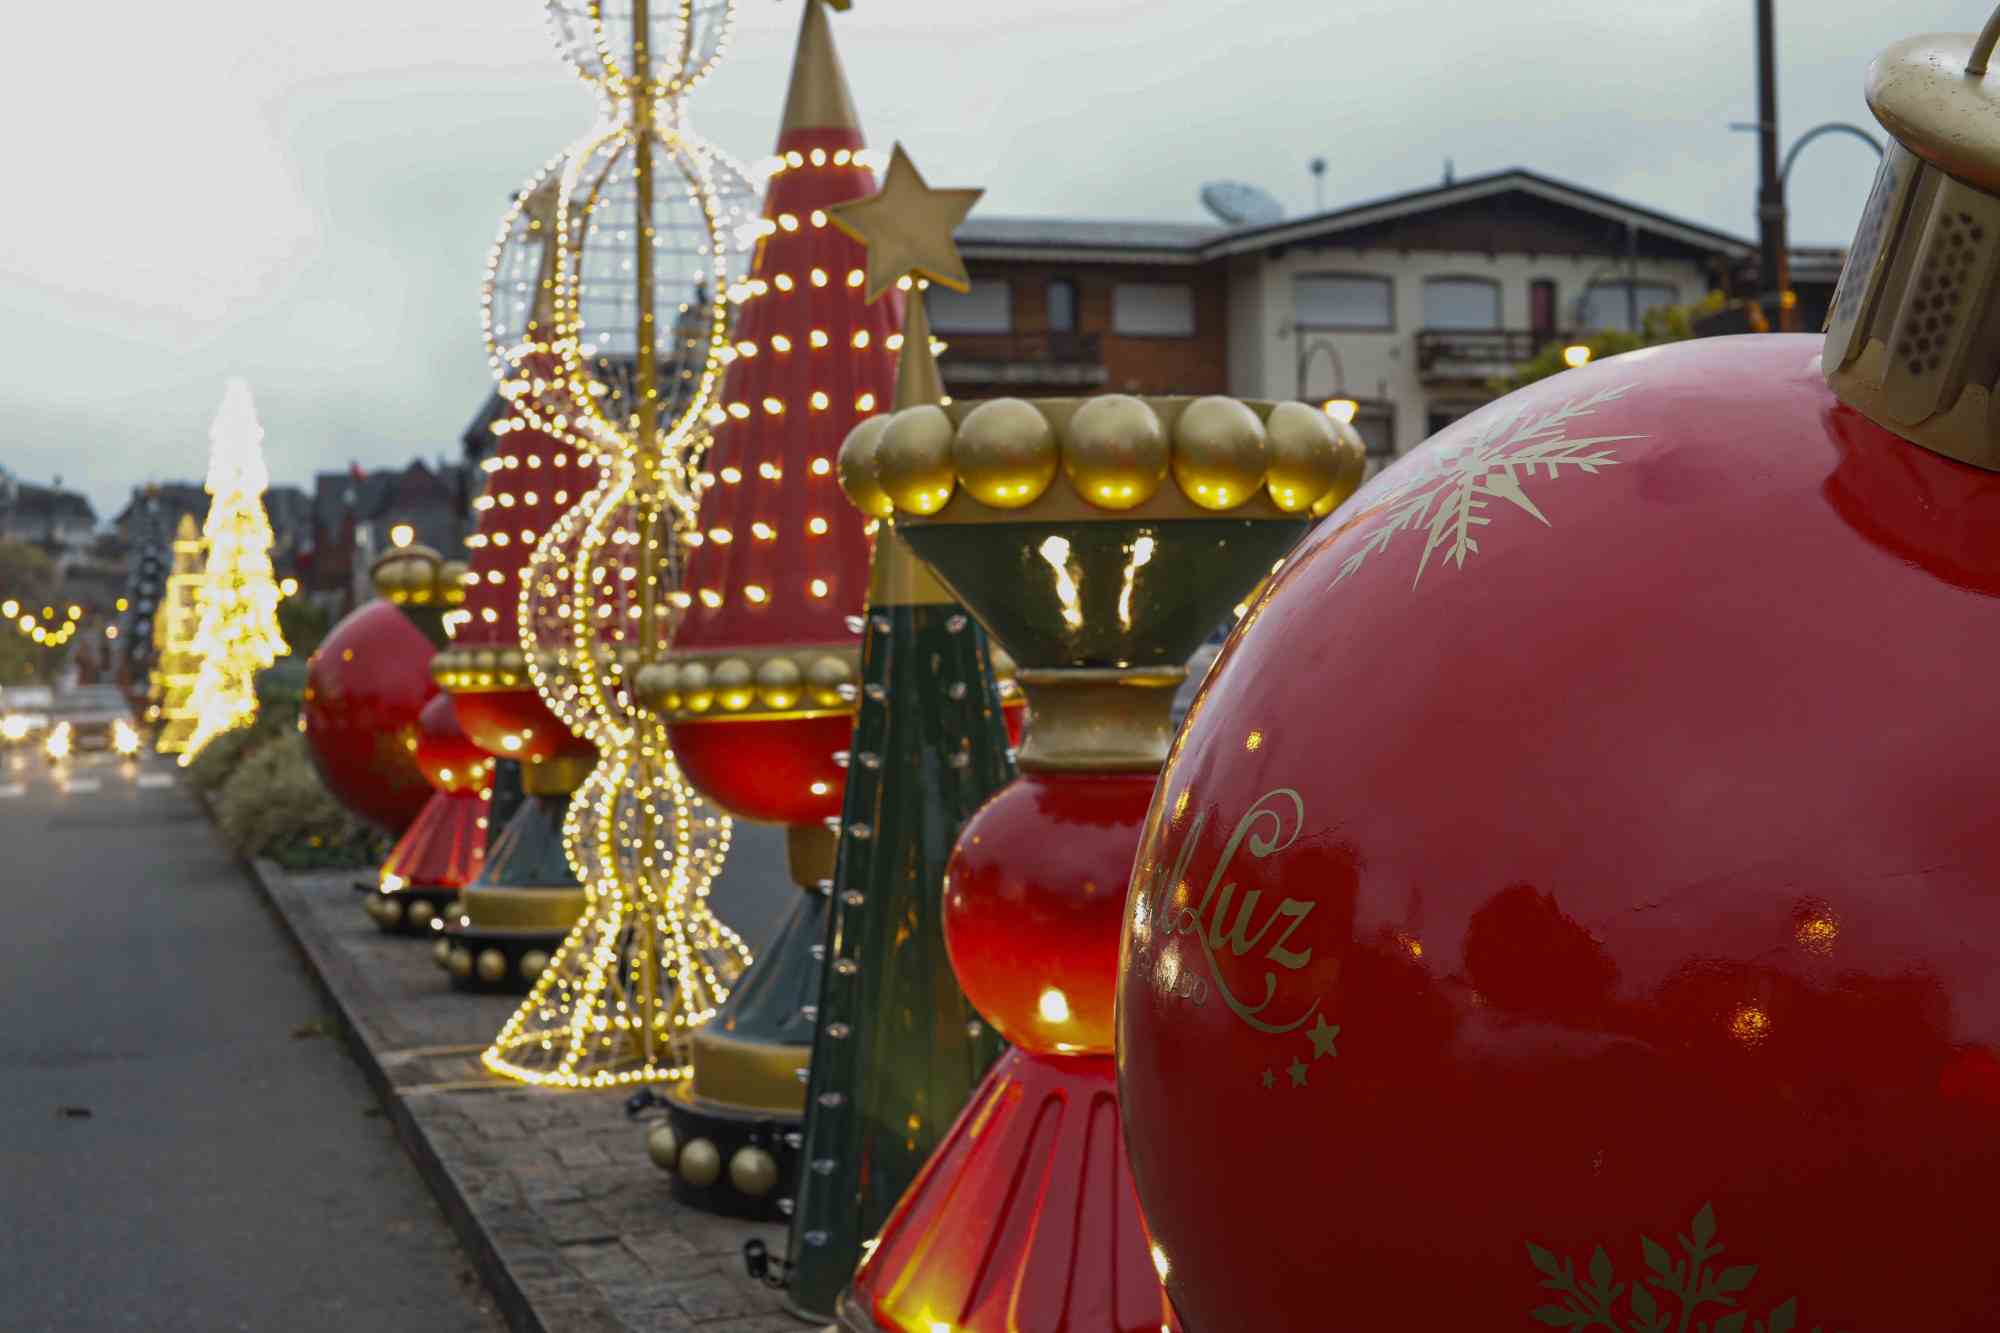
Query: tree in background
point(27, 576)
point(1661, 324)
point(238, 633)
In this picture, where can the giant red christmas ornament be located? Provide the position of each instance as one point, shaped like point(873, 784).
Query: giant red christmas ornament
point(1612, 945)
point(364, 689)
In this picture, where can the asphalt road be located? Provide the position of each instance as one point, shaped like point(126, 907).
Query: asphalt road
point(183, 1143)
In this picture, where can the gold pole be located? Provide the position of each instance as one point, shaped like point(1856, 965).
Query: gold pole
point(646, 420)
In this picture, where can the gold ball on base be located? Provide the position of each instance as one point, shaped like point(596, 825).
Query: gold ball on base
point(533, 964)
point(1219, 453)
point(461, 963)
point(753, 1171)
point(855, 465)
point(662, 1147)
point(700, 1163)
point(492, 966)
point(1006, 453)
point(1307, 456)
point(1115, 452)
point(913, 459)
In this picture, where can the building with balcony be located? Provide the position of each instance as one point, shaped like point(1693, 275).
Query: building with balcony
point(1405, 308)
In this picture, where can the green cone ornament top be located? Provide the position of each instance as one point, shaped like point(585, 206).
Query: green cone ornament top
point(1099, 541)
point(897, 1048)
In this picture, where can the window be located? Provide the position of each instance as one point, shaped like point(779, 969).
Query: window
point(1609, 305)
point(1462, 303)
point(1152, 310)
point(1542, 321)
point(1062, 306)
point(1377, 424)
point(1343, 301)
point(987, 308)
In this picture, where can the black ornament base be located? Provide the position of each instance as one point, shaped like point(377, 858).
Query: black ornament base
point(492, 962)
point(730, 1161)
point(409, 910)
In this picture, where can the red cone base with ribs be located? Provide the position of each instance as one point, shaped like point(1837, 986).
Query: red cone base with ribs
point(1574, 900)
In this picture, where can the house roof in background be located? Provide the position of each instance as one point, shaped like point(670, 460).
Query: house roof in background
point(1193, 243)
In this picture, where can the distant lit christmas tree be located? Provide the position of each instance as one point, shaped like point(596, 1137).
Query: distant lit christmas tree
point(238, 635)
point(176, 664)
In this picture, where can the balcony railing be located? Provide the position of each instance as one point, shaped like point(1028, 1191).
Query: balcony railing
point(1464, 354)
point(1023, 358)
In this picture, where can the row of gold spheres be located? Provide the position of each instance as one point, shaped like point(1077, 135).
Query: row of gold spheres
point(1115, 452)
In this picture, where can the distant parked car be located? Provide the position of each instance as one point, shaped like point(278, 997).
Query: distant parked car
point(24, 713)
point(92, 717)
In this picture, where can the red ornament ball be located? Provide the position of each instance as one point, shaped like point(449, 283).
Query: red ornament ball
point(447, 756)
point(1574, 900)
point(515, 724)
point(364, 689)
point(774, 770)
point(1033, 893)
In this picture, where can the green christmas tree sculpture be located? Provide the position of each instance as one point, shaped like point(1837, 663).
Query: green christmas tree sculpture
point(897, 1049)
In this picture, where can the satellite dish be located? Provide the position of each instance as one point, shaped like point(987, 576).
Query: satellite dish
point(1241, 205)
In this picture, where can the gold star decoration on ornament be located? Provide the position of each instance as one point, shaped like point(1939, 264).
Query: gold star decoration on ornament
point(1322, 1035)
point(907, 227)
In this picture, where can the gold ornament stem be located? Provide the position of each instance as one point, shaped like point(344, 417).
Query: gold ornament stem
point(1098, 719)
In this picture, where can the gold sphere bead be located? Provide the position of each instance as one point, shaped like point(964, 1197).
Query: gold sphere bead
point(485, 660)
point(825, 677)
point(392, 910)
point(662, 1147)
point(654, 685)
point(856, 466)
point(1353, 468)
point(1005, 453)
point(697, 696)
point(533, 964)
point(1305, 456)
point(1115, 452)
point(419, 912)
point(733, 688)
point(753, 1171)
point(779, 683)
point(701, 1164)
point(441, 952)
point(913, 459)
point(451, 582)
point(1219, 453)
point(461, 963)
point(492, 966)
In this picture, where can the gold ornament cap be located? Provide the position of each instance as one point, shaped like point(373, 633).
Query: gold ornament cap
point(1913, 337)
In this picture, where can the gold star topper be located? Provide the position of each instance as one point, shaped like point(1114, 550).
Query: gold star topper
point(907, 228)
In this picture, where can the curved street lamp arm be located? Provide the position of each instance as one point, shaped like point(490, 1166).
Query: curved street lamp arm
point(1831, 127)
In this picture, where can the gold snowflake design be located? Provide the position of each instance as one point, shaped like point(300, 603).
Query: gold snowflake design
point(1447, 496)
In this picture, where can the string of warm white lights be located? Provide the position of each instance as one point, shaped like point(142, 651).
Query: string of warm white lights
point(634, 282)
point(51, 629)
point(238, 634)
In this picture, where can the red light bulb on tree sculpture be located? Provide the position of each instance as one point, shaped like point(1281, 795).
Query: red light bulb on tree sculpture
point(1098, 541)
point(364, 688)
point(758, 689)
point(1619, 945)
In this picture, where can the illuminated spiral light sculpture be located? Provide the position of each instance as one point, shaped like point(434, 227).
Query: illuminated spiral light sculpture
point(651, 224)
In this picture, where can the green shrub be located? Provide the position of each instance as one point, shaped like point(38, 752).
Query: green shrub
point(272, 805)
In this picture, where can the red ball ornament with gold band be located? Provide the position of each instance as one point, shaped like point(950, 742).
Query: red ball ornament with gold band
point(1622, 948)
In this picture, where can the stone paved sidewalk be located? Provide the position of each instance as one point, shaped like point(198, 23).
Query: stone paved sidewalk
point(571, 1226)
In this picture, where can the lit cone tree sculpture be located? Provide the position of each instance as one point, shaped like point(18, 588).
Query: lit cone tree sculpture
point(1099, 540)
point(175, 664)
point(508, 922)
point(649, 221)
point(238, 634)
point(441, 850)
point(758, 690)
point(897, 1049)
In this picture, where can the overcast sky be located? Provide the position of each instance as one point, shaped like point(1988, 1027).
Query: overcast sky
point(303, 194)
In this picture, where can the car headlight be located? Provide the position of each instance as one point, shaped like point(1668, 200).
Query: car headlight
point(14, 727)
point(58, 742)
point(123, 738)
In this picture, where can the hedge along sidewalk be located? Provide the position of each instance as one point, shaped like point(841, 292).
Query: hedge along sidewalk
point(570, 1225)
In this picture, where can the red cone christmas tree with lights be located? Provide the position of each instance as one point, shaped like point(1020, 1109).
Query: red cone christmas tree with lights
point(759, 687)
